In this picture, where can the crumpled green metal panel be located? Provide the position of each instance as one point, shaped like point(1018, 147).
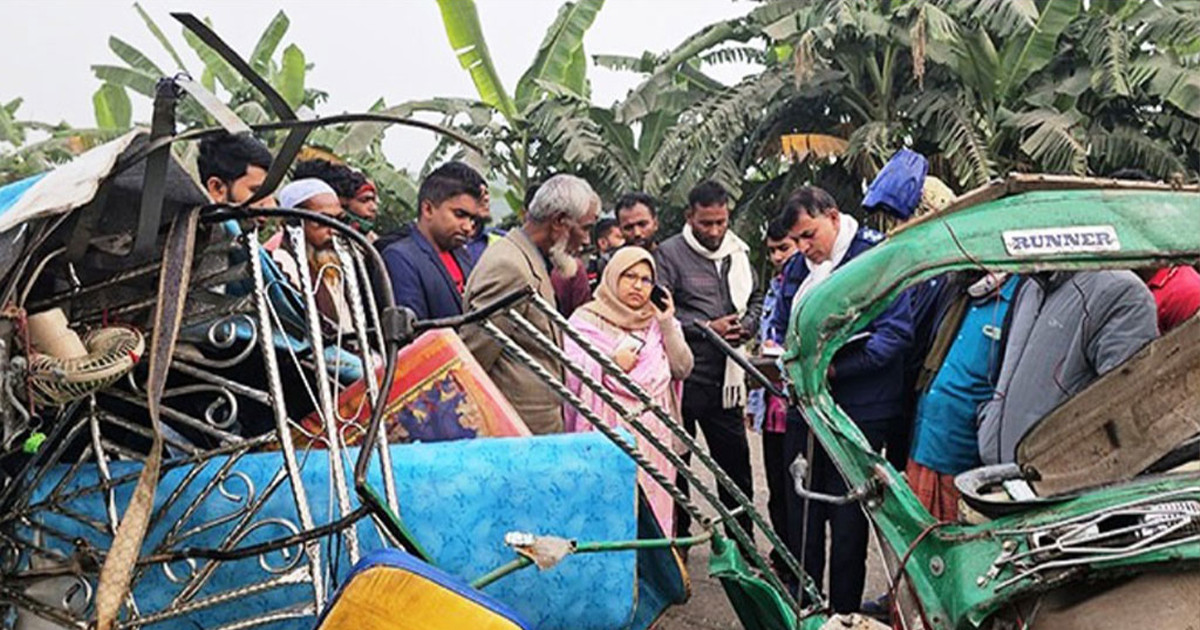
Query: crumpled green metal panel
point(1110, 226)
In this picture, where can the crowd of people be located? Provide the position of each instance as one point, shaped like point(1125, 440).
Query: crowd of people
point(948, 377)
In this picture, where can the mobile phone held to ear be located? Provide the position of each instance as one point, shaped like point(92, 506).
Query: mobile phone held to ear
point(658, 296)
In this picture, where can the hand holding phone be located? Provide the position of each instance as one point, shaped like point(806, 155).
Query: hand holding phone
point(728, 327)
point(660, 298)
point(627, 351)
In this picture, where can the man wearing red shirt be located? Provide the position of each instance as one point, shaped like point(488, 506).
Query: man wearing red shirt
point(429, 265)
point(1176, 293)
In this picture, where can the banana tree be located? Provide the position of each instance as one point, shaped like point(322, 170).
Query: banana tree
point(830, 71)
point(545, 125)
point(1063, 88)
point(982, 87)
point(286, 70)
point(28, 147)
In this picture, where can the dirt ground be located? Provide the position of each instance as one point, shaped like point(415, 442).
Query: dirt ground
point(708, 608)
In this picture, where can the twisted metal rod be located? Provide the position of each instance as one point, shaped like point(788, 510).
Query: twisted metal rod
point(690, 442)
point(327, 410)
point(522, 356)
point(282, 425)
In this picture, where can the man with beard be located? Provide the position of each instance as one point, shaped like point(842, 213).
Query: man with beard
point(325, 271)
point(233, 168)
point(707, 269)
point(557, 226)
point(356, 193)
point(429, 266)
point(638, 218)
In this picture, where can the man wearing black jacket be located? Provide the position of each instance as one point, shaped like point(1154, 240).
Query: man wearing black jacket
point(708, 271)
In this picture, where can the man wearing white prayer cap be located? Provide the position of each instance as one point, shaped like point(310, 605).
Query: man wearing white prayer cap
point(325, 270)
point(316, 196)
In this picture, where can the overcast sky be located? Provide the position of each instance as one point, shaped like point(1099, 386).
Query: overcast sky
point(362, 50)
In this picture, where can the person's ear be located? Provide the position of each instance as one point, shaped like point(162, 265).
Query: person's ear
point(426, 207)
point(216, 189)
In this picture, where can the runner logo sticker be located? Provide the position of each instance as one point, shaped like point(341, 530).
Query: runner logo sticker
point(1066, 240)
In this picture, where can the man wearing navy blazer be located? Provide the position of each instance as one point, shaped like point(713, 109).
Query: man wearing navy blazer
point(429, 265)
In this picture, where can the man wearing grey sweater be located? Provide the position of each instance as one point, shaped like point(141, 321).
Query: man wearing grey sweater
point(708, 272)
point(1067, 329)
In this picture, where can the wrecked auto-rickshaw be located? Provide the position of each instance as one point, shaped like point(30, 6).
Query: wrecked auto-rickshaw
point(1097, 523)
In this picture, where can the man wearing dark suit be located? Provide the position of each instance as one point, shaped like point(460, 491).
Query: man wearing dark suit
point(429, 266)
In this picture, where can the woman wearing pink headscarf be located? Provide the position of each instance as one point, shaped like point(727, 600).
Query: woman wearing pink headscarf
point(645, 341)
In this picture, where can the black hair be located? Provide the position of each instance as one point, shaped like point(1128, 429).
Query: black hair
point(227, 156)
point(1135, 174)
point(808, 199)
point(530, 193)
point(450, 180)
point(779, 228)
point(344, 180)
point(707, 193)
point(603, 227)
point(629, 200)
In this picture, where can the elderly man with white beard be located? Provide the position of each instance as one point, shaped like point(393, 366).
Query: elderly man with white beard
point(557, 226)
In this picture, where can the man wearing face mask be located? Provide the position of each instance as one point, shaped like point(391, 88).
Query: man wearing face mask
point(866, 380)
point(707, 270)
point(558, 224)
point(430, 265)
point(355, 192)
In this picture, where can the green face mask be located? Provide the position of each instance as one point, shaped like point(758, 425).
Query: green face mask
point(361, 224)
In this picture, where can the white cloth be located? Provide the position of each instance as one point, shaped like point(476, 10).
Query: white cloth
point(301, 190)
point(818, 272)
point(741, 285)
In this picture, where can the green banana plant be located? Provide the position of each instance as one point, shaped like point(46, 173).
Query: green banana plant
point(54, 144)
point(286, 70)
point(544, 125)
point(140, 73)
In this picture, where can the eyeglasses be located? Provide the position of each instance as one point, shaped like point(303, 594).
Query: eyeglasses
point(636, 280)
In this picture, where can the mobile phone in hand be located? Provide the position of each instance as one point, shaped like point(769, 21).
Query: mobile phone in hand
point(631, 342)
point(658, 296)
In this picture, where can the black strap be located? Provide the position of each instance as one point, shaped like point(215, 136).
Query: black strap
point(155, 181)
point(296, 136)
point(279, 166)
point(210, 38)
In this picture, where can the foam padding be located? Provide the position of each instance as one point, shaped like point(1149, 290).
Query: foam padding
point(458, 498)
point(391, 590)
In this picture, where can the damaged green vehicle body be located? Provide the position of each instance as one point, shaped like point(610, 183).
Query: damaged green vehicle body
point(961, 575)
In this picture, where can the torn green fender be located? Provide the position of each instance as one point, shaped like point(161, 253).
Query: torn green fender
point(757, 604)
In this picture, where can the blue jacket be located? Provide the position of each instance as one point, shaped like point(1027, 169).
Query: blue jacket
point(476, 245)
point(868, 378)
point(420, 280)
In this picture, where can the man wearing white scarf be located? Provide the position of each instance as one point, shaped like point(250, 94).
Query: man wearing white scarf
point(707, 269)
point(866, 380)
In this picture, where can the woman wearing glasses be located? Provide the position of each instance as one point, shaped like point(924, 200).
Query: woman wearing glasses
point(634, 324)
